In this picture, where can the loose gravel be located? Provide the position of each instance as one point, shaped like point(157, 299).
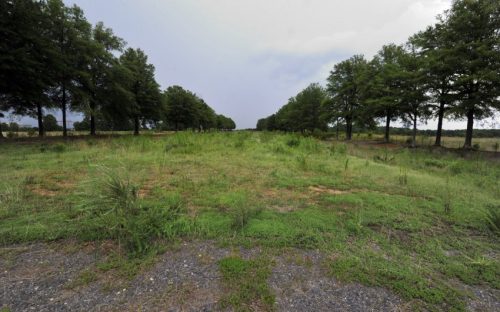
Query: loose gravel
point(186, 278)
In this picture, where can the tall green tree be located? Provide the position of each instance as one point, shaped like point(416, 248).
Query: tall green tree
point(344, 86)
point(181, 111)
point(309, 105)
point(207, 117)
point(439, 67)
point(287, 117)
point(70, 33)
point(414, 101)
point(145, 99)
point(98, 78)
point(473, 31)
point(384, 85)
point(26, 57)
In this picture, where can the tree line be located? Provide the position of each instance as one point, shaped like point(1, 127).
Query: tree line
point(51, 57)
point(449, 70)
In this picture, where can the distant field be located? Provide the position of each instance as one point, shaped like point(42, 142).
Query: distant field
point(24, 134)
point(485, 144)
point(424, 226)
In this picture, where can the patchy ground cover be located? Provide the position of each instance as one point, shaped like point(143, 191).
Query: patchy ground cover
point(280, 222)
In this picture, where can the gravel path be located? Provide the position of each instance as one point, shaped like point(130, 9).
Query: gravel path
point(36, 278)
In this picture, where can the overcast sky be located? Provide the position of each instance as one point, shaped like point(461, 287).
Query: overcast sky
point(247, 57)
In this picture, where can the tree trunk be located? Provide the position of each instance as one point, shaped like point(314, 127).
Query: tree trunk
point(136, 125)
point(470, 127)
point(348, 128)
point(39, 112)
point(63, 108)
point(387, 126)
point(337, 129)
point(92, 118)
point(414, 134)
point(440, 123)
point(92, 124)
point(1, 133)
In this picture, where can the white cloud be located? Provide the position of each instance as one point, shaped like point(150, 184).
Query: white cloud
point(314, 26)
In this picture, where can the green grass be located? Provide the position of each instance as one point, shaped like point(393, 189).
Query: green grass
point(84, 278)
point(411, 220)
point(245, 283)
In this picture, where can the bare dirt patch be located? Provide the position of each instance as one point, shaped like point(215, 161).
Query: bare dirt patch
point(43, 192)
point(66, 184)
point(283, 209)
point(324, 190)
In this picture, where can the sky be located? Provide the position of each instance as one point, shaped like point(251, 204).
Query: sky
point(246, 58)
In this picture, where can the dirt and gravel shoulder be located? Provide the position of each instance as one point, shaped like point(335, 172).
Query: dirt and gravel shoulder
point(58, 277)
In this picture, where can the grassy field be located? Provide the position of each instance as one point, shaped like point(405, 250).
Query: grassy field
point(482, 144)
point(419, 223)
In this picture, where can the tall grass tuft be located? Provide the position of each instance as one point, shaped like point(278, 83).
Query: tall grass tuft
point(181, 142)
point(447, 197)
point(11, 198)
point(493, 218)
point(403, 176)
point(386, 157)
point(111, 209)
point(240, 210)
point(302, 162)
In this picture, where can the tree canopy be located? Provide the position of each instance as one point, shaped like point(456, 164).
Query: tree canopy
point(451, 69)
point(51, 57)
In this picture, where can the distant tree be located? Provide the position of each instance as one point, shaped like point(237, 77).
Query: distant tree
point(268, 124)
point(225, 123)
point(83, 125)
point(1, 125)
point(302, 112)
point(287, 117)
point(262, 124)
point(414, 105)
point(144, 100)
point(309, 102)
point(97, 79)
point(181, 109)
point(14, 127)
point(344, 86)
point(272, 123)
point(207, 117)
point(384, 85)
point(50, 123)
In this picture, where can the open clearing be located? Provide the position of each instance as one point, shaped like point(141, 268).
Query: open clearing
point(246, 221)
